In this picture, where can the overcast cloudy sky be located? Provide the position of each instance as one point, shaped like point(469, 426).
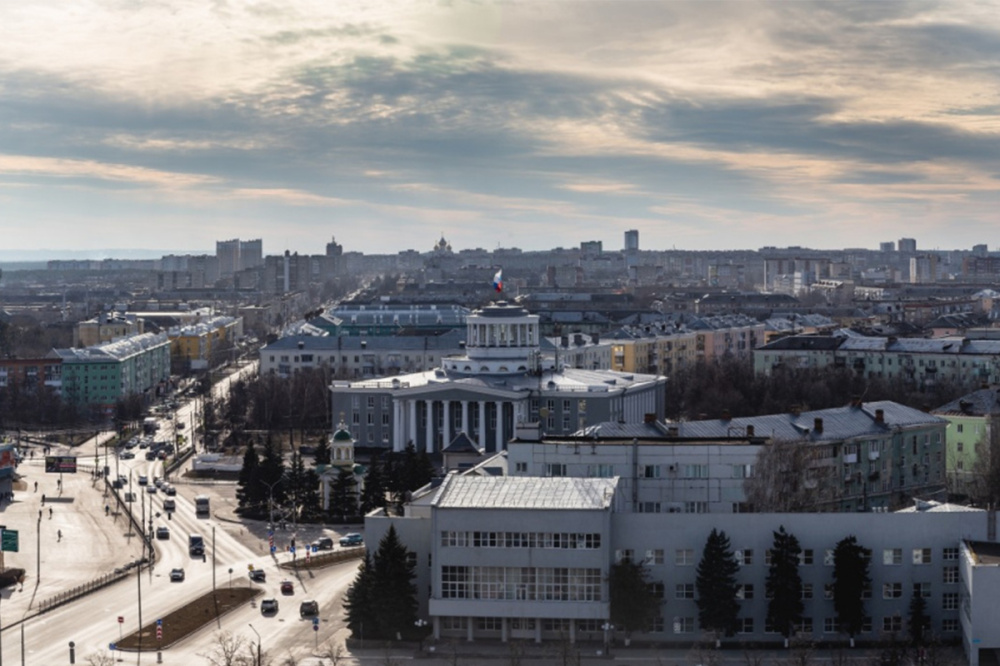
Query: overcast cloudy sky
point(175, 123)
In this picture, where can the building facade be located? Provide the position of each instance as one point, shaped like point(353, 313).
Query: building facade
point(502, 380)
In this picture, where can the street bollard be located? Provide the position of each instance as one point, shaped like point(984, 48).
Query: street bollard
point(72, 652)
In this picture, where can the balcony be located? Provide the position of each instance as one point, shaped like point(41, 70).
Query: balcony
point(873, 455)
point(850, 458)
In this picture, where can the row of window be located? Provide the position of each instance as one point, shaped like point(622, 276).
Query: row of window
point(679, 625)
point(745, 557)
point(563, 540)
point(521, 583)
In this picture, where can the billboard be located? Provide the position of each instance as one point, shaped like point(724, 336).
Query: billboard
point(60, 464)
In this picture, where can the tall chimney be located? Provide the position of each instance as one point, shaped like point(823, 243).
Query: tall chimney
point(749, 431)
point(818, 425)
point(879, 416)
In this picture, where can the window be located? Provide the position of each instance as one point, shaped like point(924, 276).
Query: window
point(830, 625)
point(684, 591)
point(921, 555)
point(625, 555)
point(695, 507)
point(949, 601)
point(866, 591)
point(489, 623)
point(922, 590)
point(742, 471)
point(521, 467)
point(651, 471)
point(683, 625)
point(695, 471)
point(601, 471)
point(371, 400)
point(828, 558)
point(805, 626)
point(828, 591)
point(950, 554)
point(892, 556)
point(656, 624)
point(892, 623)
point(654, 556)
point(454, 582)
point(892, 590)
point(807, 591)
point(744, 625)
point(657, 589)
point(744, 557)
point(806, 556)
point(744, 592)
point(649, 507)
point(949, 625)
point(950, 575)
point(555, 469)
point(684, 557)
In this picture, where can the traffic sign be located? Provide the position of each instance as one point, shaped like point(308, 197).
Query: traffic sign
point(159, 623)
point(112, 647)
point(121, 619)
point(315, 621)
point(8, 540)
point(249, 567)
point(315, 627)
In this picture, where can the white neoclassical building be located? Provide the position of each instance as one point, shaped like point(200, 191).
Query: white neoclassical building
point(501, 380)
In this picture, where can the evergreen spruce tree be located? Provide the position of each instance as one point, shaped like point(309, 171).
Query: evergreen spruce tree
point(321, 454)
point(249, 490)
point(373, 494)
point(360, 604)
point(395, 592)
point(424, 471)
point(344, 494)
point(309, 498)
point(716, 584)
point(272, 472)
point(851, 578)
point(919, 621)
point(784, 585)
point(633, 603)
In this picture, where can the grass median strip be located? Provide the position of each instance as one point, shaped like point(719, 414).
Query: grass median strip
point(187, 619)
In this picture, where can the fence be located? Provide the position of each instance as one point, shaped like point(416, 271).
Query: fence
point(322, 559)
point(46, 605)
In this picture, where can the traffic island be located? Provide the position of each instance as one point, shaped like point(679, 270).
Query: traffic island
point(320, 560)
point(181, 622)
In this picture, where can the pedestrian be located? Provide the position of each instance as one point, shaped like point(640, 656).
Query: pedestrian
point(59, 532)
point(43, 499)
point(50, 513)
point(36, 486)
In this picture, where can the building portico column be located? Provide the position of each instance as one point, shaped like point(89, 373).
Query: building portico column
point(445, 423)
point(465, 417)
point(499, 430)
point(397, 426)
point(413, 422)
point(429, 444)
point(482, 425)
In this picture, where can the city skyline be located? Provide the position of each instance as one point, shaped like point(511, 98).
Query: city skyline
point(701, 125)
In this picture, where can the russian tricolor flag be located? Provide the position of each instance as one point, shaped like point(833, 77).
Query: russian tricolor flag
point(498, 280)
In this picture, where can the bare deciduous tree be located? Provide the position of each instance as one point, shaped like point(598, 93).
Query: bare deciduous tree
point(226, 649)
point(335, 652)
point(101, 658)
point(788, 477)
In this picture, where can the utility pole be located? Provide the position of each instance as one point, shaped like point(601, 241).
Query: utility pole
point(213, 560)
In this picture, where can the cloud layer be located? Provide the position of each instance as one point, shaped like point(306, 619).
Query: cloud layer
point(703, 125)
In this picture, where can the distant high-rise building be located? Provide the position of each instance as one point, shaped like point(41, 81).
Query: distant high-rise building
point(251, 254)
point(889, 246)
point(980, 250)
point(591, 248)
point(632, 240)
point(228, 254)
point(923, 269)
point(907, 245)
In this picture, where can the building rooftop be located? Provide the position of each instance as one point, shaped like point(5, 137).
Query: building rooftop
point(513, 492)
point(978, 403)
point(985, 552)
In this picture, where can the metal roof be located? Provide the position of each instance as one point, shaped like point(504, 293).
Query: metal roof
point(448, 341)
point(978, 403)
point(519, 492)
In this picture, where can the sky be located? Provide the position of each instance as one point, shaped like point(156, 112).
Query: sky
point(170, 124)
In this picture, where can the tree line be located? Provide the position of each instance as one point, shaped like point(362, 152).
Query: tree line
point(709, 389)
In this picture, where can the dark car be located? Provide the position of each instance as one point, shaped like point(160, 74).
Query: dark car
point(162, 533)
point(143, 480)
point(323, 543)
point(176, 575)
point(287, 587)
point(268, 606)
point(170, 490)
point(308, 609)
point(258, 575)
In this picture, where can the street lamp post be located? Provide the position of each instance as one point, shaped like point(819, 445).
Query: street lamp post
point(608, 628)
point(258, 644)
point(420, 624)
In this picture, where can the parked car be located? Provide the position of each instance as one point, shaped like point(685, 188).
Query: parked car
point(151, 490)
point(127, 455)
point(323, 543)
point(308, 609)
point(162, 532)
point(176, 575)
point(143, 480)
point(258, 575)
point(352, 539)
point(150, 455)
point(169, 505)
point(170, 490)
point(287, 587)
point(268, 606)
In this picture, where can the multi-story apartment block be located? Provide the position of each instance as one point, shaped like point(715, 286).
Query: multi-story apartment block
point(360, 357)
point(665, 347)
point(502, 380)
point(376, 319)
point(576, 350)
point(99, 376)
point(31, 373)
point(105, 328)
point(508, 558)
point(192, 345)
point(973, 423)
point(966, 361)
point(861, 457)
